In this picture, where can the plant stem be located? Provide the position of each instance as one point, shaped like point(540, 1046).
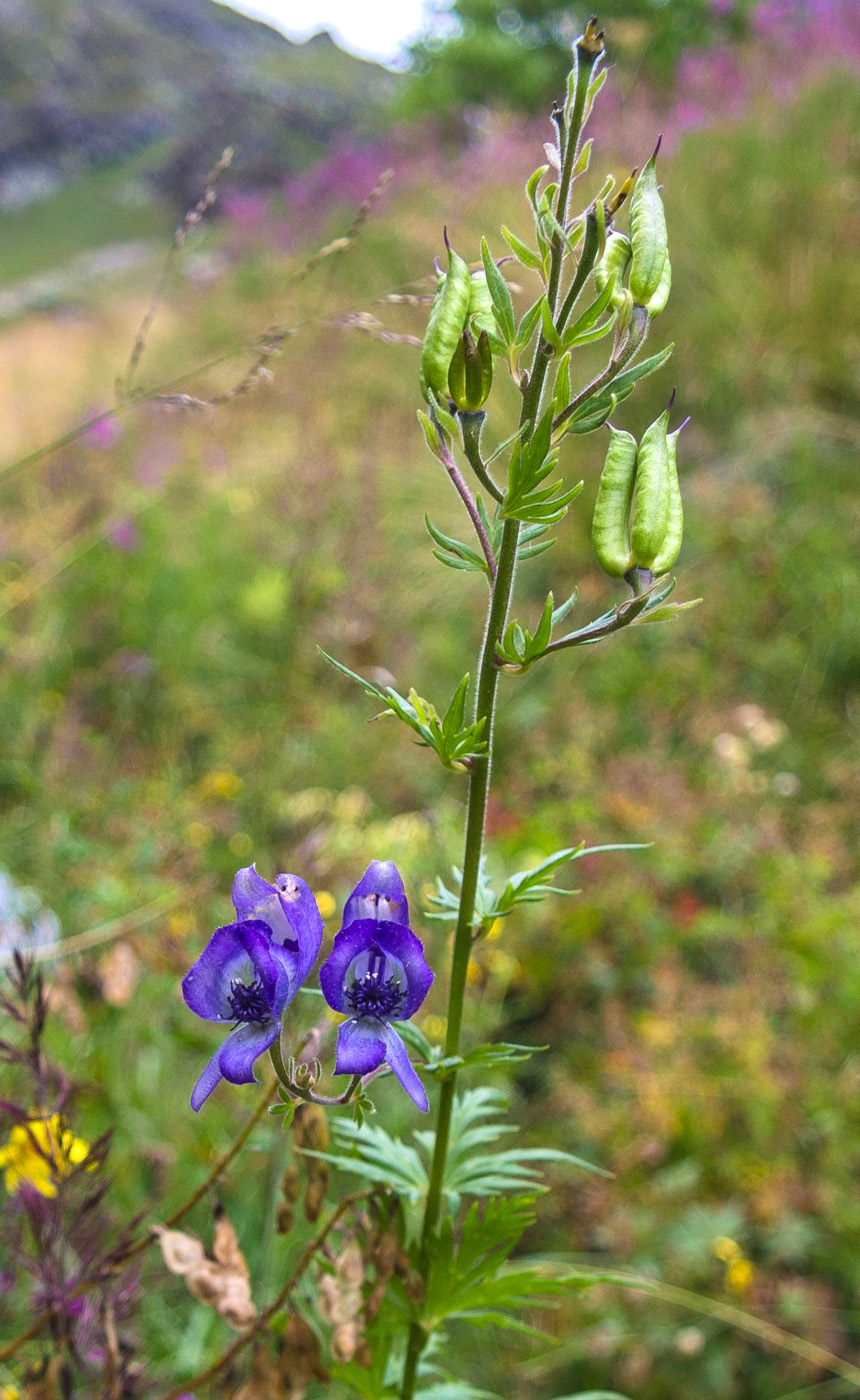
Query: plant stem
point(588, 50)
point(474, 515)
point(479, 787)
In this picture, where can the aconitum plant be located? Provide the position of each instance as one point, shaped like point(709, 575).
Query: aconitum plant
point(437, 1218)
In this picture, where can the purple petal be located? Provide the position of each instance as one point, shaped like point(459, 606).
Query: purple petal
point(397, 1056)
point(379, 894)
point(206, 1083)
point(394, 939)
point(360, 1047)
point(305, 920)
point(289, 910)
point(249, 890)
point(239, 1051)
point(236, 952)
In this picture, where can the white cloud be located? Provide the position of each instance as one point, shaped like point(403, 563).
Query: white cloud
point(377, 29)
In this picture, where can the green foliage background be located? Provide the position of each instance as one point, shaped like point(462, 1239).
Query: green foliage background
point(701, 999)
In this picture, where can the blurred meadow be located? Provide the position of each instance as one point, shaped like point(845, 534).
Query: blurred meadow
point(166, 579)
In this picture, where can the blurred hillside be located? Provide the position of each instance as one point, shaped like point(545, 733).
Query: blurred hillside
point(84, 82)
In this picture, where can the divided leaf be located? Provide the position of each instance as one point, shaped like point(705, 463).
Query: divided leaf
point(455, 744)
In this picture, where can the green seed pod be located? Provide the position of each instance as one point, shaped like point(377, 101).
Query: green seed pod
point(481, 304)
point(470, 374)
point(647, 234)
point(651, 508)
point(614, 264)
point(675, 527)
point(661, 296)
point(610, 527)
point(445, 326)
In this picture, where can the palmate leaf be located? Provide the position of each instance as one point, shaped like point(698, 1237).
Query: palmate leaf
point(470, 1277)
point(472, 1168)
point(378, 1157)
point(455, 553)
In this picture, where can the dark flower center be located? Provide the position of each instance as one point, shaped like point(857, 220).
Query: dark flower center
point(374, 994)
point(249, 1003)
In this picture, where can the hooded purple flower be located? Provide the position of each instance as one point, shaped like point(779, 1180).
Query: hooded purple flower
point(249, 972)
point(377, 974)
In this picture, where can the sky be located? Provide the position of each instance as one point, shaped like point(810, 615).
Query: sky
point(378, 29)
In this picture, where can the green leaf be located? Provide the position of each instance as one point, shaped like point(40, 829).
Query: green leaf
point(431, 436)
point(454, 747)
point(527, 326)
point(518, 647)
point(548, 327)
point(594, 1394)
point(668, 613)
point(531, 463)
point(593, 89)
point(622, 384)
point(532, 185)
point(471, 1278)
point(583, 160)
point(503, 307)
point(485, 1057)
point(377, 1157)
point(576, 333)
point(454, 1390)
point(521, 250)
point(454, 553)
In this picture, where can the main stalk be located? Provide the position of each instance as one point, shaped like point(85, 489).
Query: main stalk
point(587, 51)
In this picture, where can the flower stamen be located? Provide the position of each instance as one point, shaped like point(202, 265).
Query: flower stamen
point(248, 1002)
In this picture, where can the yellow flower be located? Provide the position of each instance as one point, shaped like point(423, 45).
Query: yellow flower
point(739, 1275)
point(40, 1153)
point(726, 1249)
point(325, 903)
point(221, 785)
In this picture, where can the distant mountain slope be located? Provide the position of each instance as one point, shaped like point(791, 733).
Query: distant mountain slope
point(84, 81)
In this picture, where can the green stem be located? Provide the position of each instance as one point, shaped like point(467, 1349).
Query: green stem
point(588, 49)
point(297, 1091)
point(479, 787)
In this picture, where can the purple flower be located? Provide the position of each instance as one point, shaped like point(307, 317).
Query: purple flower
point(377, 974)
point(249, 972)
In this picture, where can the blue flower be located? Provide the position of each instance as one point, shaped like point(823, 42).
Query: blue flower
point(249, 972)
point(377, 974)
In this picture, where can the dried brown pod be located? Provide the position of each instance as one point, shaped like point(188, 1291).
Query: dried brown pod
point(222, 1282)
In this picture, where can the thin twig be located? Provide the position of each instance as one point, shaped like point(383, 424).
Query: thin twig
point(138, 1247)
point(276, 1304)
point(474, 515)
